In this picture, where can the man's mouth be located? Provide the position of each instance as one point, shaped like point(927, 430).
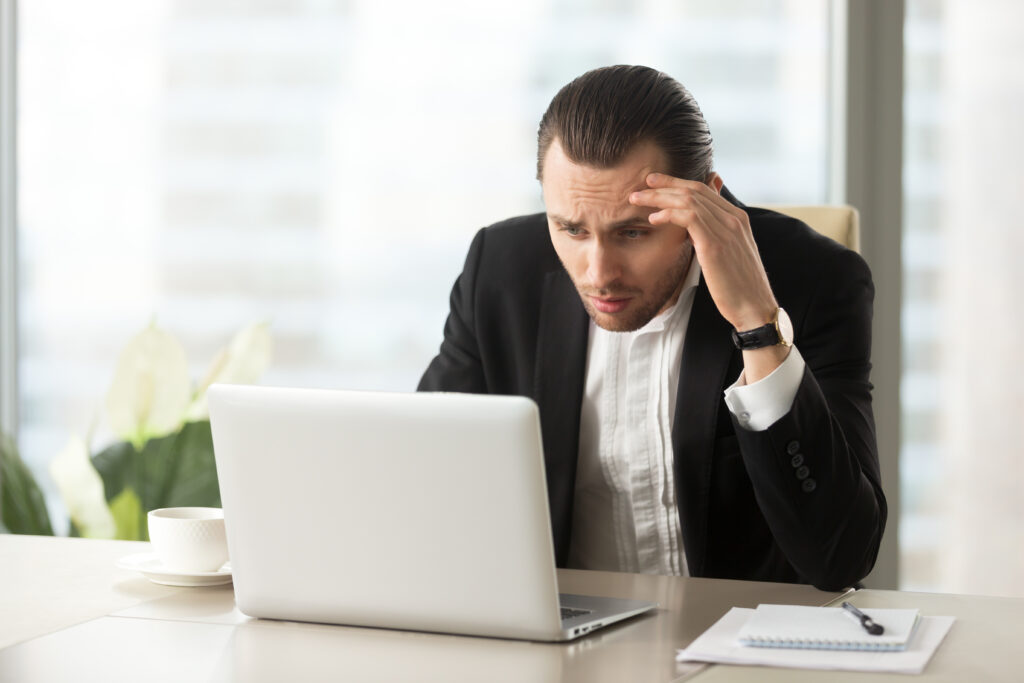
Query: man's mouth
point(609, 304)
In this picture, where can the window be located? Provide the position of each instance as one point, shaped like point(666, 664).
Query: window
point(962, 456)
point(324, 164)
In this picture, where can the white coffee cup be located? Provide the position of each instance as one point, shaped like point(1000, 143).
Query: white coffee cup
point(189, 539)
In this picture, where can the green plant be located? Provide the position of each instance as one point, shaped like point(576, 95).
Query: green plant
point(165, 455)
point(22, 506)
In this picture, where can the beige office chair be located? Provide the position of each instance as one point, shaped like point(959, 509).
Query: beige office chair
point(841, 223)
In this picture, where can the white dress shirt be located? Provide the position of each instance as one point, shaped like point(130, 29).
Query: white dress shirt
point(625, 516)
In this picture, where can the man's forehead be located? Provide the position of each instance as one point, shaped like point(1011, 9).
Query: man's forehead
point(572, 190)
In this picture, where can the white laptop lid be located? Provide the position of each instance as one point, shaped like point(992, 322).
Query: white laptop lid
point(414, 511)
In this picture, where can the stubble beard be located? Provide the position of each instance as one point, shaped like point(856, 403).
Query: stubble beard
point(644, 310)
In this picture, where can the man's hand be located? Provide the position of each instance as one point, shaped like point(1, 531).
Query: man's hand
point(725, 249)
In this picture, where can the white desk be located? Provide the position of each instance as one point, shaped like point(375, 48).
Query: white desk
point(67, 613)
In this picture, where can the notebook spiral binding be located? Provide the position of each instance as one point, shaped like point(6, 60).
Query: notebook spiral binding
point(820, 644)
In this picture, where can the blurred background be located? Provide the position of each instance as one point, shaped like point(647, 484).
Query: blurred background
point(323, 164)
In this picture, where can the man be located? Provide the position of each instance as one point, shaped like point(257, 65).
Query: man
point(688, 426)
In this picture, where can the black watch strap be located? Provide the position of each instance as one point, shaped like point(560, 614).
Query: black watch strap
point(778, 331)
point(757, 338)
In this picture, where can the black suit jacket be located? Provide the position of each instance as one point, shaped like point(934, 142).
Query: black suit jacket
point(748, 509)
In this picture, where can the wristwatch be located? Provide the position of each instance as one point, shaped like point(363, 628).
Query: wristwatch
point(778, 332)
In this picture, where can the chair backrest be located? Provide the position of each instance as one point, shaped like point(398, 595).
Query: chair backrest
point(841, 223)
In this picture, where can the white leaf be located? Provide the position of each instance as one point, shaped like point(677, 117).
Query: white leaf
point(151, 389)
point(242, 361)
point(81, 488)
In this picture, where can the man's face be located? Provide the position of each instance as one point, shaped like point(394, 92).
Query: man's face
point(626, 270)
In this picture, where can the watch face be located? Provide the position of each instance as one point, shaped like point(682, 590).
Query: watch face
point(785, 328)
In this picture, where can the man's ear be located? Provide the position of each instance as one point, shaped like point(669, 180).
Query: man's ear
point(715, 182)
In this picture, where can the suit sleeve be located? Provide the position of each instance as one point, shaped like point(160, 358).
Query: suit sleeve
point(457, 366)
point(815, 471)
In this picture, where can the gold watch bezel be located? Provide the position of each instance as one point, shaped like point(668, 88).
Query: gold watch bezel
point(783, 327)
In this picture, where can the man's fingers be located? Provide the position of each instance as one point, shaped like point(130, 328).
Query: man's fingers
point(665, 180)
point(670, 184)
point(712, 223)
point(730, 220)
point(681, 217)
point(675, 197)
point(685, 206)
point(662, 199)
point(685, 219)
point(662, 181)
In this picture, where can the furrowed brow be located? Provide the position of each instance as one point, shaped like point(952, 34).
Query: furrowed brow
point(565, 222)
point(617, 225)
point(631, 222)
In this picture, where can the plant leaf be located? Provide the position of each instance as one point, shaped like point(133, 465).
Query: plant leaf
point(127, 512)
point(155, 471)
point(24, 507)
point(178, 470)
point(195, 476)
point(150, 391)
point(116, 466)
point(242, 361)
point(81, 488)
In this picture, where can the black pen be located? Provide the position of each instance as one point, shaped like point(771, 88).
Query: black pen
point(865, 621)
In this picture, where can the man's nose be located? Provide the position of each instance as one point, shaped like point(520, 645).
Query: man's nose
point(603, 268)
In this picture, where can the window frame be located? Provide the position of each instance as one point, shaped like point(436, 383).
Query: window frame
point(866, 171)
point(8, 218)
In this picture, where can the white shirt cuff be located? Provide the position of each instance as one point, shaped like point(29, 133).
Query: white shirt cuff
point(759, 405)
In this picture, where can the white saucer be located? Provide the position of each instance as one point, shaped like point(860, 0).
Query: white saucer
point(154, 570)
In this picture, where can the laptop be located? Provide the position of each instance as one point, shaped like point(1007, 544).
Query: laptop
point(424, 512)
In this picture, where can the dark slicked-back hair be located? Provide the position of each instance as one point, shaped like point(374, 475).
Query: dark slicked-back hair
point(604, 114)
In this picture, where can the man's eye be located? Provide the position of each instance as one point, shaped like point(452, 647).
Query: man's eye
point(573, 231)
point(633, 233)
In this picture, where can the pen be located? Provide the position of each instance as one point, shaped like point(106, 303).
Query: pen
point(865, 621)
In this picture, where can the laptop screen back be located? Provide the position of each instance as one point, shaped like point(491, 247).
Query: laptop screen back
point(418, 511)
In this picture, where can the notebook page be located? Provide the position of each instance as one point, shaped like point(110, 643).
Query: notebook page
point(832, 628)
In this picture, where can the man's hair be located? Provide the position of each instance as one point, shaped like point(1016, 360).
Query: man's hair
point(604, 114)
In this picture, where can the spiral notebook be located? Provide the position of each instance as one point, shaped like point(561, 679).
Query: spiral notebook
point(826, 628)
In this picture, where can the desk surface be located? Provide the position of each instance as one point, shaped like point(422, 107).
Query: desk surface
point(70, 614)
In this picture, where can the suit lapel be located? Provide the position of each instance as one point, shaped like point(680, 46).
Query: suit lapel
point(706, 354)
point(561, 365)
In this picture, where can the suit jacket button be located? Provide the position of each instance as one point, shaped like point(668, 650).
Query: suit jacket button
point(803, 472)
point(809, 485)
point(793, 447)
point(797, 460)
